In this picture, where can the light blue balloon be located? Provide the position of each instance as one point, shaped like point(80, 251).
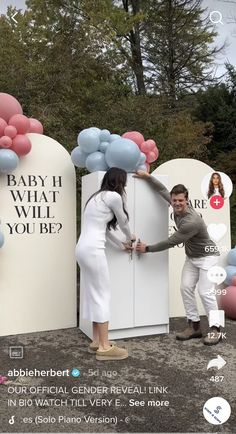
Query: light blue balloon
point(114, 137)
point(8, 160)
point(96, 161)
point(232, 257)
point(230, 272)
point(88, 140)
point(142, 158)
point(95, 129)
point(105, 135)
point(1, 239)
point(103, 146)
point(123, 153)
point(142, 167)
point(78, 157)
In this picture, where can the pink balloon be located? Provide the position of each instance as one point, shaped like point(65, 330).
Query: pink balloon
point(151, 156)
point(5, 142)
point(145, 147)
point(3, 125)
point(21, 145)
point(148, 167)
point(135, 136)
point(10, 131)
point(233, 280)
point(156, 152)
point(35, 126)
point(151, 144)
point(9, 106)
point(228, 302)
point(21, 123)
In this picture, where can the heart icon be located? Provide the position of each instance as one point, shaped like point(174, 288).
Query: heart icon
point(216, 231)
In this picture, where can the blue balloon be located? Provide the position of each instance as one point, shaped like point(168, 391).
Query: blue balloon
point(96, 161)
point(95, 129)
point(88, 140)
point(1, 239)
point(103, 146)
point(78, 157)
point(105, 135)
point(142, 167)
point(123, 153)
point(142, 158)
point(230, 273)
point(232, 257)
point(114, 137)
point(8, 160)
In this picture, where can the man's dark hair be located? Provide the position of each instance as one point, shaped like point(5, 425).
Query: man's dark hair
point(179, 189)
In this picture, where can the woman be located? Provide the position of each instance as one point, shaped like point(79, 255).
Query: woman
point(215, 186)
point(104, 211)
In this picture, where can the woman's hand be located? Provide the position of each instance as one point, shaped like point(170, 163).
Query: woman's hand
point(128, 247)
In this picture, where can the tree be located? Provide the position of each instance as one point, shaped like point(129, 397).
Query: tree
point(177, 48)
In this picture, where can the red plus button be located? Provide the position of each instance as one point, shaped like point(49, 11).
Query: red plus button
point(216, 201)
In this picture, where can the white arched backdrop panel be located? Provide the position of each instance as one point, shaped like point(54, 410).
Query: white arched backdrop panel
point(37, 261)
point(191, 172)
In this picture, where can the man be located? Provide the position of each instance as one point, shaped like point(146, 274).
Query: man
point(192, 231)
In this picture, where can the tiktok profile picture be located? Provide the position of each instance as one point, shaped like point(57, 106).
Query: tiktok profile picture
point(216, 187)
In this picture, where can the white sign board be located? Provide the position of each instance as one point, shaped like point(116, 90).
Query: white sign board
point(37, 261)
point(191, 172)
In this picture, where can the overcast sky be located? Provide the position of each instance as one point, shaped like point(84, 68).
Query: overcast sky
point(226, 28)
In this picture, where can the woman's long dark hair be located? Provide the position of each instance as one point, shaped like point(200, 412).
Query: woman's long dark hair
point(113, 180)
point(211, 189)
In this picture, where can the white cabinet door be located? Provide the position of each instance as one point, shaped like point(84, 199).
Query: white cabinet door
point(121, 268)
point(151, 269)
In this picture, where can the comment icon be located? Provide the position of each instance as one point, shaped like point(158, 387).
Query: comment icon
point(216, 275)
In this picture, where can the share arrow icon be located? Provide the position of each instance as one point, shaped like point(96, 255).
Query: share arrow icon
point(216, 363)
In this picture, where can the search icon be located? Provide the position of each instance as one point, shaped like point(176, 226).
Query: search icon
point(216, 17)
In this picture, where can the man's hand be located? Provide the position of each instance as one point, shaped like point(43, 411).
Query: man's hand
point(140, 247)
point(141, 174)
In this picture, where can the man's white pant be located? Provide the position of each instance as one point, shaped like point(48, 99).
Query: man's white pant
point(195, 271)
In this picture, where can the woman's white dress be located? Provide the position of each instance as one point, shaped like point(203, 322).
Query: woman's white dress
point(90, 252)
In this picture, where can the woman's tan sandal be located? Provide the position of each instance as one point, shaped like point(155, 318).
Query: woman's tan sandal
point(93, 347)
point(113, 353)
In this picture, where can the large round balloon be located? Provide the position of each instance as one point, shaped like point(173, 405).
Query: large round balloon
point(8, 160)
point(78, 157)
point(1, 239)
point(123, 153)
point(96, 161)
point(21, 123)
point(89, 140)
point(228, 302)
point(232, 257)
point(35, 126)
point(135, 136)
point(21, 145)
point(9, 106)
point(230, 273)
